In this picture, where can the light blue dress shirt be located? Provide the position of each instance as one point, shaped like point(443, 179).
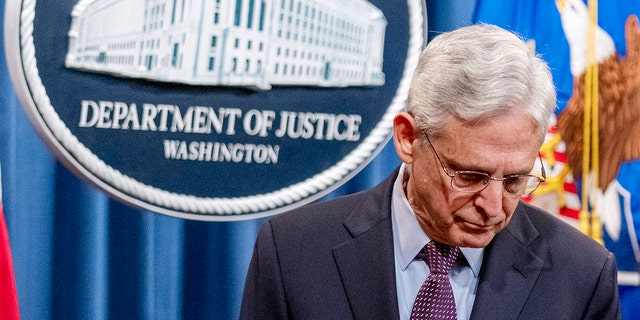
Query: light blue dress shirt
point(408, 239)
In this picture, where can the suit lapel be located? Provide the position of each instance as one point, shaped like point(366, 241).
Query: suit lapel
point(366, 262)
point(509, 271)
point(367, 269)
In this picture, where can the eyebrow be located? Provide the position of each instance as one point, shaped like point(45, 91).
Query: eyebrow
point(455, 166)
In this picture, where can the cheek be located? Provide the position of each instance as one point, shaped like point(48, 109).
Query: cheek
point(429, 202)
point(434, 195)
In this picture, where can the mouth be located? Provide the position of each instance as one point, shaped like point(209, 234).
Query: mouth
point(477, 227)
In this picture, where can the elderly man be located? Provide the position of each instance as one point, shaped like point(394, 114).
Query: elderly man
point(446, 235)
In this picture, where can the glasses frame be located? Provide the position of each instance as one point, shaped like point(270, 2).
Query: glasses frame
point(453, 174)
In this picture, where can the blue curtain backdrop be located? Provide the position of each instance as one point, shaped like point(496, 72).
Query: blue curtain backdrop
point(81, 255)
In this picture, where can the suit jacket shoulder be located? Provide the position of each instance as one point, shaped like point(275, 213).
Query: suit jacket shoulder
point(540, 267)
point(330, 260)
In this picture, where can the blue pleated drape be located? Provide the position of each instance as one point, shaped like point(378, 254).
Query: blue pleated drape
point(81, 255)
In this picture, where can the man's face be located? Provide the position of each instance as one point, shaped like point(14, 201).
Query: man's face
point(500, 147)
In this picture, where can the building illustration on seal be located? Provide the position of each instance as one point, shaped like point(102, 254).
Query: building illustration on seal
point(244, 43)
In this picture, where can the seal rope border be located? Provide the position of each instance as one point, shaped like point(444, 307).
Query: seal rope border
point(213, 209)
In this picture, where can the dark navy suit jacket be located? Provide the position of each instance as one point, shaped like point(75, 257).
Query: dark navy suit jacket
point(335, 260)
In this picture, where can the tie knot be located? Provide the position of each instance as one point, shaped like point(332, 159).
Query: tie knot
point(439, 256)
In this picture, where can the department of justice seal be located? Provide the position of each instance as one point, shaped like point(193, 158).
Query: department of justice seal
point(214, 110)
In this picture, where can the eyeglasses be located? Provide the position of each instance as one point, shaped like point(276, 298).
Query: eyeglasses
point(475, 181)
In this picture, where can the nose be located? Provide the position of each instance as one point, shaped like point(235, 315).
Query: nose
point(490, 199)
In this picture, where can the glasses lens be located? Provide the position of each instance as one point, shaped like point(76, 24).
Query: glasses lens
point(470, 181)
point(521, 184)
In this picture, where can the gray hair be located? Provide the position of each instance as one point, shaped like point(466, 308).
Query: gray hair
point(476, 73)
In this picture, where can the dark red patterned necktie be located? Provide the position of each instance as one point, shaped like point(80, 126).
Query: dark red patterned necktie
point(435, 298)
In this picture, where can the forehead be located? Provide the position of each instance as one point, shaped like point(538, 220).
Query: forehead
point(510, 143)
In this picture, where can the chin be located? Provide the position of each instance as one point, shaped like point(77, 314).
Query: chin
point(475, 244)
point(475, 240)
point(472, 236)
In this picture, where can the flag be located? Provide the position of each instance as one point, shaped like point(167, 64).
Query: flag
point(557, 32)
point(8, 295)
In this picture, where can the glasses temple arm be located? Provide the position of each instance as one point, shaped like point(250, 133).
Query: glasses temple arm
point(542, 170)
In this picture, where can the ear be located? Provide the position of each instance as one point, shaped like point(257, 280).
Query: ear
point(404, 135)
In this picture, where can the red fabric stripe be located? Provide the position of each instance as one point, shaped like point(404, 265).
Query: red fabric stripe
point(9, 309)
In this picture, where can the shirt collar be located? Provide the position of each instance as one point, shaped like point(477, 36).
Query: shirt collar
point(409, 238)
